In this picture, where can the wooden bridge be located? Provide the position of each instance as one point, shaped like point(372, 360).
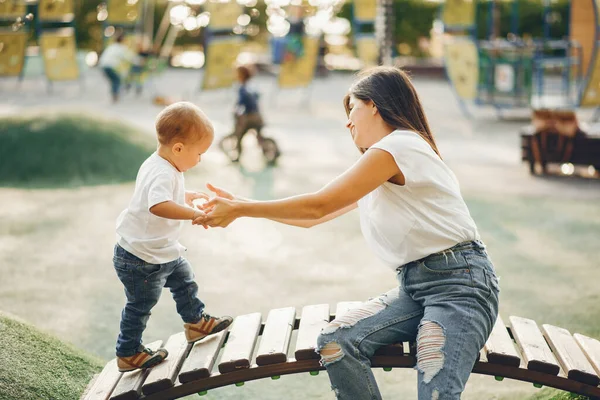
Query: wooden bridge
point(251, 349)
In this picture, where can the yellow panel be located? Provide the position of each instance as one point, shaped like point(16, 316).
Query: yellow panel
point(219, 68)
point(59, 54)
point(56, 10)
point(300, 72)
point(365, 10)
point(123, 11)
point(12, 53)
point(459, 13)
point(462, 64)
point(591, 95)
point(10, 8)
point(583, 30)
point(367, 51)
point(223, 15)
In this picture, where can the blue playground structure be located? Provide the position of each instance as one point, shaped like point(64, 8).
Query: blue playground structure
point(518, 72)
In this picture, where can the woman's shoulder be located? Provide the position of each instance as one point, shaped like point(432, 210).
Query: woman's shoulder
point(403, 139)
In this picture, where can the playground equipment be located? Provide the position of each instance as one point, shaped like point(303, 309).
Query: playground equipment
point(541, 73)
point(550, 356)
point(53, 30)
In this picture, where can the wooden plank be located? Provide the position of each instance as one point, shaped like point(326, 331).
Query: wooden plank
point(202, 357)
point(570, 356)
point(163, 375)
point(105, 383)
point(499, 348)
point(591, 349)
point(130, 384)
point(89, 386)
point(536, 353)
point(314, 318)
point(276, 336)
point(240, 345)
point(344, 306)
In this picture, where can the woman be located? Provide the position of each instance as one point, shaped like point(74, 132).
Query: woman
point(413, 216)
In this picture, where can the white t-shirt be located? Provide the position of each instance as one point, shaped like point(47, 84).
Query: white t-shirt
point(143, 234)
point(425, 216)
point(114, 55)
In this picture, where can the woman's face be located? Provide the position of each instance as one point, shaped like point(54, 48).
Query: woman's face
point(361, 117)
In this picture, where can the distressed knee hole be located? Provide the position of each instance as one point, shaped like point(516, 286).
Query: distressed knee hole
point(330, 353)
point(361, 312)
point(430, 342)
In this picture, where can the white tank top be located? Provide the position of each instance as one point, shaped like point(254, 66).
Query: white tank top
point(425, 216)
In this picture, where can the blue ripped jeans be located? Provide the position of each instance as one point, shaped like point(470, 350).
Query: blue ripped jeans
point(144, 283)
point(447, 301)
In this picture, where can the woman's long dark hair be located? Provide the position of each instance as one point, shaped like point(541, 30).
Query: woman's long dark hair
point(394, 95)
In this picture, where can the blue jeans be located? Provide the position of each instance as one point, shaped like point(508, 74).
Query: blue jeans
point(447, 302)
point(115, 80)
point(143, 286)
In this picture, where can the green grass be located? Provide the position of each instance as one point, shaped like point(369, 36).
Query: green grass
point(34, 365)
point(64, 150)
point(553, 394)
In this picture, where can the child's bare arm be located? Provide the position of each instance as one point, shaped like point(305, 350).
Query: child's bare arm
point(172, 210)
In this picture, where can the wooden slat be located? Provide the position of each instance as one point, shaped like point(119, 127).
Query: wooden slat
point(202, 357)
point(536, 353)
point(240, 345)
point(344, 306)
point(314, 318)
point(105, 383)
point(276, 336)
point(499, 348)
point(130, 384)
point(89, 386)
point(591, 349)
point(570, 356)
point(163, 375)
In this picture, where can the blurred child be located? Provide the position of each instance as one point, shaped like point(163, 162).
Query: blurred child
point(246, 115)
point(148, 255)
point(111, 59)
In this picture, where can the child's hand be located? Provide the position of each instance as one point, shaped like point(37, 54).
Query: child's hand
point(191, 196)
point(222, 213)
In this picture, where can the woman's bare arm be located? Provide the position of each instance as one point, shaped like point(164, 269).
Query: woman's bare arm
point(373, 169)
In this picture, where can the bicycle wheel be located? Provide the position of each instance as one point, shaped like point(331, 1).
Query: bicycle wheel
point(270, 150)
point(229, 146)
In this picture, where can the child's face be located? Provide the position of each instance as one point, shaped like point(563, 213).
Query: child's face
point(189, 155)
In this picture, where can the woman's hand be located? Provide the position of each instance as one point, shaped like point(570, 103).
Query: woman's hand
point(220, 192)
point(220, 212)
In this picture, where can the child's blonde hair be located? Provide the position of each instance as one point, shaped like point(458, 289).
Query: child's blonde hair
point(182, 121)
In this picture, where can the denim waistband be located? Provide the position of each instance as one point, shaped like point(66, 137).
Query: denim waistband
point(468, 245)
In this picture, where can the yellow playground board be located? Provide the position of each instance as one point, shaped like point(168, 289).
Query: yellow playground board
point(223, 15)
point(56, 10)
point(365, 10)
point(462, 65)
point(60, 55)
point(123, 11)
point(366, 49)
point(591, 94)
point(221, 56)
point(11, 8)
point(12, 52)
point(300, 72)
point(459, 13)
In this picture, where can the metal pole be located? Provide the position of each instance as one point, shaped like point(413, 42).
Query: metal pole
point(163, 27)
point(384, 30)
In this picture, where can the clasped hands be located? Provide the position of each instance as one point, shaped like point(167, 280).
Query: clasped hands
point(218, 211)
